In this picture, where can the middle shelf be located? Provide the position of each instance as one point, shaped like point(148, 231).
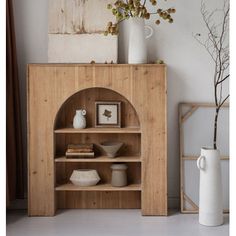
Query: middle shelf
point(100, 159)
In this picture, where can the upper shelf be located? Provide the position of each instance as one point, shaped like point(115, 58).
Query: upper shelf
point(98, 131)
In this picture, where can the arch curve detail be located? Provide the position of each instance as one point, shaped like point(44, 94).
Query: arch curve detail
point(85, 99)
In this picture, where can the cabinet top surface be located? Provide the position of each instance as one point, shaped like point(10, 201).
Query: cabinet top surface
point(96, 65)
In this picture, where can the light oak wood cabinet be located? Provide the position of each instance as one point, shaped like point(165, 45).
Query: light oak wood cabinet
point(55, 91)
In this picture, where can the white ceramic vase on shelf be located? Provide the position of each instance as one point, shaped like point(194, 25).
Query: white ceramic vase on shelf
point(79, 121)
point(210, 194)
point(137, 52)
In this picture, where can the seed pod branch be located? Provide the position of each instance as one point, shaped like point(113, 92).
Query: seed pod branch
point(123, 10)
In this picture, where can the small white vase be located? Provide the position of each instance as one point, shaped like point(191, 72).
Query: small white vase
point(79, 121)
point(210, 194)
point(137, 52)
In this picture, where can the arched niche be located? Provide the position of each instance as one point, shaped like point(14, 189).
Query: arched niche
point(85, 99)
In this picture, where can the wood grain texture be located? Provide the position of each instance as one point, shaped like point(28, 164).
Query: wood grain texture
point(181, 146)
point(99, 187)
point(194, 158)
point(144, 86)
point(101, 159)
point(99, 199)
point(149, 97)
point(98, 131)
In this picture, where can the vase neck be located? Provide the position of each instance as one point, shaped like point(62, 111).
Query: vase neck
point(137, 21)
point(207, 151)
point(79, 112)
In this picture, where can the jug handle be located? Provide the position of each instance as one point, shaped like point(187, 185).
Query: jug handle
point(200, 164)
point(84, 112)
point(151, 31)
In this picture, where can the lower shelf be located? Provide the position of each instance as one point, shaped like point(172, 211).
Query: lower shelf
point(99, 187)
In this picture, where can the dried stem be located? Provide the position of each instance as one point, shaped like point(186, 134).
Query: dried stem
point(217, 46)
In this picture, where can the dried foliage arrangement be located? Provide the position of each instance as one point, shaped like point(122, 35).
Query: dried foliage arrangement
point(216, 43)
point(125, 9)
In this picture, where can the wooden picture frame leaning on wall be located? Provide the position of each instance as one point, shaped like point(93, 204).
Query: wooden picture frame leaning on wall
point(183, 116)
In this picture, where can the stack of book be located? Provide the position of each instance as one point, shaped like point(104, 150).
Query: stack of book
point(80, 150)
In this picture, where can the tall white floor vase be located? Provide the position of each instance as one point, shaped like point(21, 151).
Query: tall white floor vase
point(137, 53)
point(210, 195)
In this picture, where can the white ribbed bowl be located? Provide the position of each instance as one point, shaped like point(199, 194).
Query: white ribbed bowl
point(85, 177)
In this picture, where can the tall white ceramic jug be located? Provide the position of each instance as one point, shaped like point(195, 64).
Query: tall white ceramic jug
point(79, 121)
point(137, 52)
point(210, 195)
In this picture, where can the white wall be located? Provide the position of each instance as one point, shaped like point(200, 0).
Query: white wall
point(189, 66)
point(31, 17)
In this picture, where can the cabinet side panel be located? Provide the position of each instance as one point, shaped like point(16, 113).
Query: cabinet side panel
point(149, 96)
point(40, 146)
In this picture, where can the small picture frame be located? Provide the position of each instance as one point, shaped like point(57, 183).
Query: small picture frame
point(108, 114)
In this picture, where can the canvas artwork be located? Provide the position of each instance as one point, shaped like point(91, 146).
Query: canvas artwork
point(76, 32)
point(107, 114)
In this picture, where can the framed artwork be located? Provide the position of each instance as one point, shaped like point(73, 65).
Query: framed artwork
point(108, 114)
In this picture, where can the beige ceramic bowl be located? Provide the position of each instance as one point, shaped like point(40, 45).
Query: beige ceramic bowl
point(111, 148)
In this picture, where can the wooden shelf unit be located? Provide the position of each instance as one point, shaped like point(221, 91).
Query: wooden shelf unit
point(55, 91)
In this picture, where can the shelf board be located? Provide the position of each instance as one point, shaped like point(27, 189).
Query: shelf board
point(95, 65)
point(99, 187)
point(100, 159)
point(98, 131)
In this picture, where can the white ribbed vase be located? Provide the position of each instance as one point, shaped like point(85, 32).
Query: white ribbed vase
point(210, 192)
point(79, 121)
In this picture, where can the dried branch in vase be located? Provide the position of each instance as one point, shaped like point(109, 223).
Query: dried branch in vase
point(216, 43)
